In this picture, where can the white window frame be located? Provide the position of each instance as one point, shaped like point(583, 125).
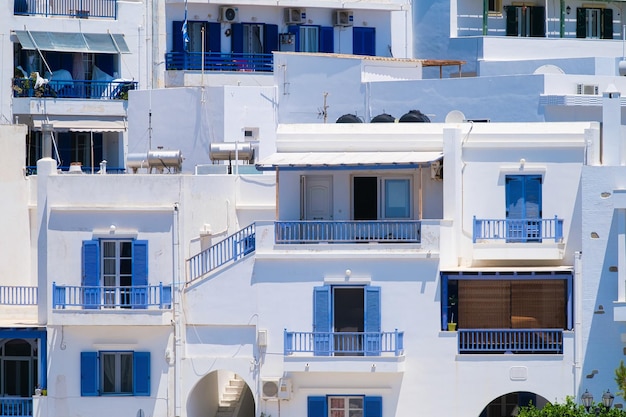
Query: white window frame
point(112, 275)
point(309, 39)
point(118, 372)
point(383, 196)
point(345, 411)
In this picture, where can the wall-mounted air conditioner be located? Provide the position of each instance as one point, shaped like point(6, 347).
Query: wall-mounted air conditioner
point(295, 16)
point(276, 389)
point(587, 89)
point(436, 170)
point(343, 18)
point(229, 14)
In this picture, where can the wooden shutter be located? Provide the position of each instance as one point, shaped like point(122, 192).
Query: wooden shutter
point(236, 37)
point(270, 38)
point(91, 273)
point(581, 22)
point(373, 406)
point(484, 304)
point(140, 274)
point(511, 20)
point(364, 41)
point(316, 407)
point(327, 39)
point(372, 321)
point(607, 23)
point(537, 21)
point(89, 374)
point(141, 373)
point(177, 36)
point(322, 320)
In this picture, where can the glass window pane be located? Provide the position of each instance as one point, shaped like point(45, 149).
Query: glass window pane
point(356, 402)
point(108, 266)
point(108, 372)
point(127, 373)
point(397, 198)
point(126, 249)
point(108, 249)
point(126, 266)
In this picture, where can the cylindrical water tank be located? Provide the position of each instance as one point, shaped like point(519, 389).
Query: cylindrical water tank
point(230, 151)
point(165, 159)
point(349, 118)
point(414, 116)
point(383, 118)
point(136, 161)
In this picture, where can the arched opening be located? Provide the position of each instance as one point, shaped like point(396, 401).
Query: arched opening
point(508, 405)
point(221, 393)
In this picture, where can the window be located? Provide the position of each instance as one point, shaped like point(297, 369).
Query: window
point(525, 21)
point(254, 38)
point(114, 373)
point(594, 23)
point(347, 320)
point(377, 198)
point(115, 273)
point(495, 6)
point(212, 36)
point(313, 38)
point(345, 406)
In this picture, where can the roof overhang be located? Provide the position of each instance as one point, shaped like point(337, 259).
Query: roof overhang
point(81, 123)
point(347, 160)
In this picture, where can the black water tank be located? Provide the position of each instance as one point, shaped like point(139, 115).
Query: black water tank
point(349, 118)
point(414, 116)
point(383, 118)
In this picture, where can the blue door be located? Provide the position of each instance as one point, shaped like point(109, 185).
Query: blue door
point(523, 208)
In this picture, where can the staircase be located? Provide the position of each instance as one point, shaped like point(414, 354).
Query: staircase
point(229, 399)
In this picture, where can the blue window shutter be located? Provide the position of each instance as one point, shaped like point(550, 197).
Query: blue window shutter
point(270, 41)
point(91, 273)
point(215, 37)
point(236, 30)
point(177, 36)
point(373, 406)
point(372, 321)
point(321, 320)
point(89, 374)
point(295, 30)
point(140, 274)
point(316, 407)
point(141, 373)
point(364, 41)
point(327, 39)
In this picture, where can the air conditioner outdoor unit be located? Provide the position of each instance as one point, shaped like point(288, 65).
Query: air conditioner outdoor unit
point(229, 14)
point(587, 89)
point(276, 389)
point(295, 16)
point(436, 170)
point(343, 18)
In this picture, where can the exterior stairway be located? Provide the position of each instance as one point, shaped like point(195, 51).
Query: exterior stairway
point(229, 401)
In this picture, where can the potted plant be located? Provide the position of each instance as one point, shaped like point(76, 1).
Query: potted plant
point(451, 324)
point(452, 300)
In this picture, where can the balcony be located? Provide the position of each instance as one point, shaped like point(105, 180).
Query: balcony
point(344, 343)
point(66, 8)
point(356, 231)
point(18, 295)
point(142, 297)
point(16, 407)
point(216, 61)
point(81, 89)
point(510, 341)
point(518, 239)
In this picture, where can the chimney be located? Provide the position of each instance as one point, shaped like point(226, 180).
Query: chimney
point(46, 131)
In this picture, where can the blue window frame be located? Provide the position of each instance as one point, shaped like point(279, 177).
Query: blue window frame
point(118, 264)
point(364, 41)
point(254, 38)
point(354, 310)
point(523, 207)
point(345, 406)
point(114, 373)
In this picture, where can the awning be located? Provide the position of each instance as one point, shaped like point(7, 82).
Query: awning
point(106, 43)
point(347, 160)
point(81, 123)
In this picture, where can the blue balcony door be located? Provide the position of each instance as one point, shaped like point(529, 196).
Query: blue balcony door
point(347, 321)
point(523, 206)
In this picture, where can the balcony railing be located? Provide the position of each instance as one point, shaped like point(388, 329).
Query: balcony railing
point(518, 230)
point(316, 231)
point(499, 341)
point(16, 407)
point(344, 343)
point(73, 8)
point(111, 297)
point(84, 89)
point(230, 249)
point(217, 61)
point(18, 295)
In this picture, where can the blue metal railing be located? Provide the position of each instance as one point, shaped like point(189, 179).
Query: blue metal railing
point(74, 8)
point(510, 340)
point(217, 61)
point(314, 231)
point(104, 297)
point(18, 295)
point(518, 230)
point(230, 249)
point(16, 407)
point(86, 89)
point(344, 343)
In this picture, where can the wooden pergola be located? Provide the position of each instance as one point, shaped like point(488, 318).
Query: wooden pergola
point(442, 63)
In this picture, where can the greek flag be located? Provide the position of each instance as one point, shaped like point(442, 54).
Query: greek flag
point(185, 32)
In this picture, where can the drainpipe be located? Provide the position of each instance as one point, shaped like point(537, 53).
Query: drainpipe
point(561, 19)
point(578, 328)
point(177, 312)
point(485, 16)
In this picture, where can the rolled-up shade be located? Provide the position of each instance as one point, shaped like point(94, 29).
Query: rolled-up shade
point(106, 43)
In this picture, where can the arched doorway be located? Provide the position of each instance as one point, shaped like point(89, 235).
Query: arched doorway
point(221, 394)
point(18, 367)
point(508, 405)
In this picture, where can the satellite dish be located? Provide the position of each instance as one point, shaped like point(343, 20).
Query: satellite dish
point(455, 116)
point(549, 69)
